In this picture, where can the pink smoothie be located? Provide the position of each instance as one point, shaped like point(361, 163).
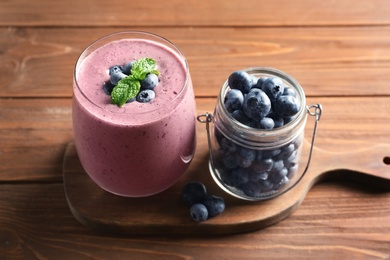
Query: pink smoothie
point(139, 149)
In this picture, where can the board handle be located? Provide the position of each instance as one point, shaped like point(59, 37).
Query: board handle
point(370, 165)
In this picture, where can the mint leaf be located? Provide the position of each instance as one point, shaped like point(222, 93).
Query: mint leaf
point(126, 89)
point(143, 67)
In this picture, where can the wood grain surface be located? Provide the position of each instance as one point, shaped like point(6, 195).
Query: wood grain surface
point(338, 50)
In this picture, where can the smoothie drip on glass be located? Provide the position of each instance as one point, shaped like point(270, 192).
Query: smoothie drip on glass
point(139, 149)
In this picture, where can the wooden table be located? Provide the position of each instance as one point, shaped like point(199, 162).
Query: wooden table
point(338, 50)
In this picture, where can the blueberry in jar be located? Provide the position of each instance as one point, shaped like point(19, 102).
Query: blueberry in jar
point(256, 104)
point(240, 80)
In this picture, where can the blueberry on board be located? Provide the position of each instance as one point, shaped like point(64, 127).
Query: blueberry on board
point(286, 106)
point(127, 67)
point(145, 95)
point(194, 192)
point(150, 81)
point(114, 69)
point(199, 212)
point(240, 116)
point(116, 77)
point(108, 87)
point(273, 87)
point(256, 104)
point(215, 205)
point(233, 100)
point(266, 123)
point(240, 80)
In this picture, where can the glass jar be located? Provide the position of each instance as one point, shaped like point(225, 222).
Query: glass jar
point(257, 164)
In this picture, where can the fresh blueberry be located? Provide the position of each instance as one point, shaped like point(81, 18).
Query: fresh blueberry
point(277, 176)
point(265, 185)
point(240, 80)
point(288, 119)
point(115, 69)
point(199, 212)
point(240, 176)
point(273, 87)
point(256, 176)
point(108, 87)
point(229, 161)
point(127, 67)
point(215, 205)
point(116, 77)
point(131, 100)
point(256, 104)
point(245, 157)
point(145, 95)
point(228, 145)
point(286, 151)
point(263, 165)
point(286, 106)
point(251, 189)
point(233, 100)
point(289, 92)
point(194, 192)
point(270, 153)
point(260, 82)
point(150, 81)
point(254, 81)
point(266, 123)
point(278, 120)
point(241, 117)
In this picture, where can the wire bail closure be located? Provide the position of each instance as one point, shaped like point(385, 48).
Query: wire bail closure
point(312, 110)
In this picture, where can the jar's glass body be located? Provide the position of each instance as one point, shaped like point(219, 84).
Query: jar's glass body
point(256, 164)
point(139, 149)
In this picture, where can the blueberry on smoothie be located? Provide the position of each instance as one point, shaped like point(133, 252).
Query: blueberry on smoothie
point(114, 69)
point(145, 95)
point(150, 81)
point(116, 77)
point(127, 67)
point(233, 100)
point(240, 80)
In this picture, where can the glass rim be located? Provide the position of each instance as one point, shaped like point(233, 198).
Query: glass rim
point(254, 133)
point(117, 36)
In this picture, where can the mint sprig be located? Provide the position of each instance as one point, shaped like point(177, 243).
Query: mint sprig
point(128, 87)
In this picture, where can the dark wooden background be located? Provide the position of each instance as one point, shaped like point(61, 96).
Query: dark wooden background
point(338, 50)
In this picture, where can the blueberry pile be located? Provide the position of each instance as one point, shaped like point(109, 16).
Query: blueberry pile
point(262, 103)
point(202, 205)
point(118, 72)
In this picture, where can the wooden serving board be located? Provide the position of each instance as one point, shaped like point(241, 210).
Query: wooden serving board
point(165, 213)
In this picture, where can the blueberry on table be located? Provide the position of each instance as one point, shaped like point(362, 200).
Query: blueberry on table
point(145, 95)
point(150, 81)
point(194, 192)
point(199, 212)
point(273, 87)
point(215, 205)
point(256, 104)
point(240, 80)
point(233, 100)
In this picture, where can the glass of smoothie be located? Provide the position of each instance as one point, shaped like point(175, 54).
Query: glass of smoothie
point(135, 149)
